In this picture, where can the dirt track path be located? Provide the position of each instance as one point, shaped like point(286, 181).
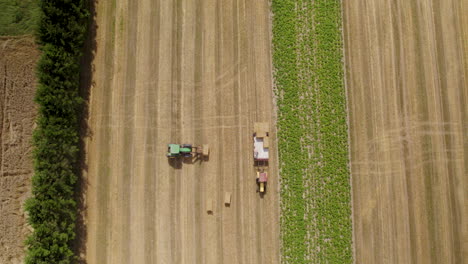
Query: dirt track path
point(183, 72)
point(407, 88)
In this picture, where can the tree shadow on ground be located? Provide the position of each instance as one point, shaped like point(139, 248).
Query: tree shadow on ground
point(86, 82)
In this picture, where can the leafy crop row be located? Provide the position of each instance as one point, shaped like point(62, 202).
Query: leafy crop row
point(312, 132)
point(52, 209)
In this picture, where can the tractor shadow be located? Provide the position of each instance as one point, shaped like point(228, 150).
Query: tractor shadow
point(198, 159)
point(261, 194)
point(177, 163)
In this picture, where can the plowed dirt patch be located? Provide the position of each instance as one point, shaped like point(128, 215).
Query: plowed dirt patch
point(18, 57)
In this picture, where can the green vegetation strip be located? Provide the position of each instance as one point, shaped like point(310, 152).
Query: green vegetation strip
point(312, 132)
point(18, 17)
point(52, 209)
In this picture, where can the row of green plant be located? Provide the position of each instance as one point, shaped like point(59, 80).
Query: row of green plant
point(312, 132)
point(18, 17)
point(52, 208)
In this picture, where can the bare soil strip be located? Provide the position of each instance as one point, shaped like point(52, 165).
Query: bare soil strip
point(17, 117)
point(407, 89)
point(179, 72)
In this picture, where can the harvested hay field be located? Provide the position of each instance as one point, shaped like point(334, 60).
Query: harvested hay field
point(17, 116)
point(406, 64)
point(179, 72)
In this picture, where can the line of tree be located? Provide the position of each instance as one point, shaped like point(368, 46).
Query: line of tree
point(52, 208)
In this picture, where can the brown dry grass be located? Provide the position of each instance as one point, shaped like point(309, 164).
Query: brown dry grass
point(18, 57)
point(407, 87)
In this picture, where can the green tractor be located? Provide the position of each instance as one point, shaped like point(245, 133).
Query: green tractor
point(187, 151)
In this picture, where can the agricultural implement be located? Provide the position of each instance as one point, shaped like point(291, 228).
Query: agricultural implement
point(262, 178)
point(187, 151)
point(261, 154)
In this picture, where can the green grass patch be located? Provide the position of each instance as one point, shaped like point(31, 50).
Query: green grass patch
point(18, 17)
point(316, 222)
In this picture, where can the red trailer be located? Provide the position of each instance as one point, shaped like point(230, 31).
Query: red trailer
point(262, 178)
point(261, 153)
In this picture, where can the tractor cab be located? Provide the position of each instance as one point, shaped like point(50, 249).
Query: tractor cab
point(176, 150)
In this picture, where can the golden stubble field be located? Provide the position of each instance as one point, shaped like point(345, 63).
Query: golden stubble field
point(179, 72)
point(406, 70)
